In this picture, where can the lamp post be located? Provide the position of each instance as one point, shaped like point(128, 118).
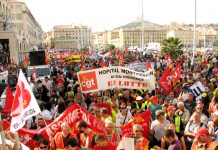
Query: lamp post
point(194, 40)
point(142, 27)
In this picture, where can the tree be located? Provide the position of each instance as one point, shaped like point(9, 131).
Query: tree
point(173, 47)
point(111, 46)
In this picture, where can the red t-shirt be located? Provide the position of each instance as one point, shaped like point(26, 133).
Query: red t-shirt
point(110, 146)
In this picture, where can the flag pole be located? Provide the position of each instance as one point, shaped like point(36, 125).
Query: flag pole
point(2, 133)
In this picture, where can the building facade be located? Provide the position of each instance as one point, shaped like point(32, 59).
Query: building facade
point(25, 22)
point(19, 31)
point(72, 37)
point(133, 37)
point(185, 36)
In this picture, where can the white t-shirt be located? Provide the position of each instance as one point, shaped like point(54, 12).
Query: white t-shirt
point(159, 129)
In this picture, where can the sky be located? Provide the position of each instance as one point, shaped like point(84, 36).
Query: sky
point(103, 15)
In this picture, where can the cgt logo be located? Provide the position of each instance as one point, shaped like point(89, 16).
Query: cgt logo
point(88, 81)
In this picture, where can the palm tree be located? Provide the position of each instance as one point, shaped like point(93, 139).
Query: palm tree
point(173, 47)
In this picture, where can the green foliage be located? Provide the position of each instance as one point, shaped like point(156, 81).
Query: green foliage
point(111, 46)
point(84, 48)
point(173, 47)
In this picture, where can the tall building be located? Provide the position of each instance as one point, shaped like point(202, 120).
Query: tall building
point(19, 31)
point(72, 37)
point(9, 36)
point(25, 22)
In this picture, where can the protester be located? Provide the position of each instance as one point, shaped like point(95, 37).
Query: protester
point(204, 141)
point(59, 141)
point(112, 136)
point(86, 136)
point(140, 141)
point(175, 144)
point(103, 144)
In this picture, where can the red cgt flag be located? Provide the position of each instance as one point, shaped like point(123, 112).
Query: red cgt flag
point(9, 100)
point(165, 81)
point(177, 73)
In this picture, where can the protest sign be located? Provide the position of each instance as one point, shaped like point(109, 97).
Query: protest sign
point(197, 89)
point(117, 76)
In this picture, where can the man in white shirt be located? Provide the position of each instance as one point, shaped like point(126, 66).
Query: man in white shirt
point(123, 117)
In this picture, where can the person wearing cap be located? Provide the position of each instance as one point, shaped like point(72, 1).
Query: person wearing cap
point(192, 127)
point(203, 140)
point(174, 119)
point(154, 106)
point(158, 127)
point(138, 103)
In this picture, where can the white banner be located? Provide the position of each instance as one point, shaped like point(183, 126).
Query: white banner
point(116, 76)
point(137, 66)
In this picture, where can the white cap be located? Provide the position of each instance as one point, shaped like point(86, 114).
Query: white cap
point(138, 98)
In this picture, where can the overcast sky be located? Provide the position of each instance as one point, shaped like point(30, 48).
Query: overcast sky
point(108, 14)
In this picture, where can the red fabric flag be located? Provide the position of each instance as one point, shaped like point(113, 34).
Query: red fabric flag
point(149, 65)
point(142, 119)
point(12, 61)
point(120, 59)
point(103, 64)
point(165, 81)
point(83, 66)
point(176, 73)
point(9, 100)
point(34, 73)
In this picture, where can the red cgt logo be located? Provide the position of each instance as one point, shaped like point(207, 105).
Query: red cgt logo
point(88, 81)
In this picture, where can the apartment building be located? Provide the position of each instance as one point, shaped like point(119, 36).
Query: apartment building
point(72, 37)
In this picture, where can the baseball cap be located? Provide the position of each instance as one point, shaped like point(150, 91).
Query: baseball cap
point(169, 108)
point(202, 131)
point(154, 98)
point(138, 98)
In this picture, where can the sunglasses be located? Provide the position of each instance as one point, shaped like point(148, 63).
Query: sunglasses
point(138, 130)
point(43, 147)
point(123, 108)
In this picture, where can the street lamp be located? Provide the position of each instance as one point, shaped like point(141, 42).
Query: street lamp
point(194, 40)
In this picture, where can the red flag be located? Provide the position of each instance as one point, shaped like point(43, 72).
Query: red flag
point(8, 100)
point(120, 59)
point(142, 119)
point(12, 61)
point(176, 73)
point(34, 73)
point(103, 64)
point(83, 66)
point(165, 81)
point(149, 65)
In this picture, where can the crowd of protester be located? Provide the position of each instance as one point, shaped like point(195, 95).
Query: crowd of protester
point(178, 120)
